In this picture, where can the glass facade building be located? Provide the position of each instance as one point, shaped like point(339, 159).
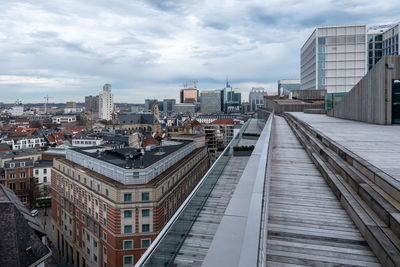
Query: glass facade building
point(391, 41)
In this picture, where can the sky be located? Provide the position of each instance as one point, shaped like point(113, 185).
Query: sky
point(150, 48)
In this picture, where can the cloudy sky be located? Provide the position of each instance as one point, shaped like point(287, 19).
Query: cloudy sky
point(150, 48)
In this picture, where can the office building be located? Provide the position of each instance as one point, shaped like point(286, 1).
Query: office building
point(256, 98)
point(168, 105)
point(92, 104)
point(375, 43)
point(334, 58)
point(210, 101)
point(109, 205)
point(185, 109)
point(287, 85)
point(189, 95)
point(391, 40)
point(148, 104)
point(106, 103)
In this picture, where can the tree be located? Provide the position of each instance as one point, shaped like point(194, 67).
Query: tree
point(32, 192)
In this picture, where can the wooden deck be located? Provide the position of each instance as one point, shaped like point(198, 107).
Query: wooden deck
point(307, 225)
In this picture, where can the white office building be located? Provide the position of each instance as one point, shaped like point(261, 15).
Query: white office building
point(334, 58)
point(106, 103)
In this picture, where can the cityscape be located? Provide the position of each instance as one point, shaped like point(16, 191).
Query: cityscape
point(174, 160)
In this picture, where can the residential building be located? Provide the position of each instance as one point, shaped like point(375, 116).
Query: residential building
point(168, 105)
point(256, 98)
point(92, 104)
point(17, 176)
point(63, 119)
point(109, 205)
point(86, 141)
point(218, 135)
point(22, 237)
point(287, 85)
point(106, 103)
point(146, 122)
point(31, 153)
point(210, 101)
point(42, 175)
point(24, 142)
point(334, 58)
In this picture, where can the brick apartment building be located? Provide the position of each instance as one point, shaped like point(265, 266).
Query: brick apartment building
point(17, 175)
point(108, 205)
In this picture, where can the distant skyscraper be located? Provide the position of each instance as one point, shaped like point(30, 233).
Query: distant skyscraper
point(189, 95)
point(210, 101)
point(256, 98)
point(106, 103)
point(92, 104)
point(168, 105)
point(148, 103)
point(333, 58)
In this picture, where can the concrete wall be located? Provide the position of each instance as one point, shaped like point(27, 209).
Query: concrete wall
point(309, 94)
point(370, 100)
point(290, 106)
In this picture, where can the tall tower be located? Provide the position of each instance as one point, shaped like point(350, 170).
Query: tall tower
point(154, 110)
point(106, 103)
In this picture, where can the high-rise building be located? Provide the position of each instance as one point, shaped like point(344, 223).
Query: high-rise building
point(106, 103)
point(256, 98)
point(334, 58)
point(210, 101)
point(109, 205)
point(168, 105)
point(287, 85)
point(391, 40)
point(375, 43)
point(92, 104)
point(189, 95)
point(148, 104)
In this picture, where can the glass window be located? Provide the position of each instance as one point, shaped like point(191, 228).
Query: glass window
point(106, 192)
point(378, 45)
point(128, 244)
point(145, 196)
point(145, 213)
point(128, 229)
point(145, 243)
point(128, 260)
point(321, 40)
point(105, 236)
point(145, 227)
point(127, 214)
point(127, 197)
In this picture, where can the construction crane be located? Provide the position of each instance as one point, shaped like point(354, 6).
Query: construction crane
point(194, 83)
point(46, 103)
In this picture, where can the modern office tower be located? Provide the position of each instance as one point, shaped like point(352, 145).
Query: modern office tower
point(185, 108)
point(109, 205)
point(256, 98)
point(287, 85)
point(375, 43)
point(391, 40)
point(148, 104)
point(233, 101)
point(189, 95)
point(334, 58)
point(92, 104)
point(168, 105)
point(106, 103)
point(210, 101)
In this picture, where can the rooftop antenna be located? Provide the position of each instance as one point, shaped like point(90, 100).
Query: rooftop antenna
point(194, 83)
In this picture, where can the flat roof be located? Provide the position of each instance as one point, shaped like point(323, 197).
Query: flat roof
point(131, 156)
point(18, 153)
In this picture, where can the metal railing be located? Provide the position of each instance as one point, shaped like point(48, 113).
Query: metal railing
point(167, 244)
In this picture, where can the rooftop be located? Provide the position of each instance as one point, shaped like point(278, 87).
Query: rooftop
point(18, 153)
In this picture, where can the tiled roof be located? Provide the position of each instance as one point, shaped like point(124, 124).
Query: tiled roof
point(223, 121)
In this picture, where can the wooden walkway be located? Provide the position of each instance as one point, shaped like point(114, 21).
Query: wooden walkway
point(307, 225)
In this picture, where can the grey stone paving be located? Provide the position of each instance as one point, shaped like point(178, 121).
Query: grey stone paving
point(306, 224)
point(378, 144)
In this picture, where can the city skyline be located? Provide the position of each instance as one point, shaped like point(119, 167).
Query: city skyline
point(149, 49)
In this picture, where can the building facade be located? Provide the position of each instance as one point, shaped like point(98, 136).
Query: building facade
point(210, 101)
point(92, 104)
point(106, 103)
point(334, 58)
point(103, 216)
point(287, 85)
point(189, 95)
point(391, 41)
point(256, 98)
point(168, 105)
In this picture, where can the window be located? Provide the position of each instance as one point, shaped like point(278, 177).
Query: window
point(12, 186)
point(95, 244)
point(97, 202)
point(12, 175)
point(145, 196)
point(98, 187)
point(104, 207)
point(128, 260)
point(106, 192)
point(127, 214)
point(104, 236)
point(104, 250)
point(128, 244)
point(145, 227)
point(23, 186)
point(127, 197)
point(145, 243)
point(36, 172)
point(95, 257)
point(44, 171)
point(104, 221)
point(145, 213)
point(88, 251)
point(45, 179)
point(88, 237)
point(128, 229)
